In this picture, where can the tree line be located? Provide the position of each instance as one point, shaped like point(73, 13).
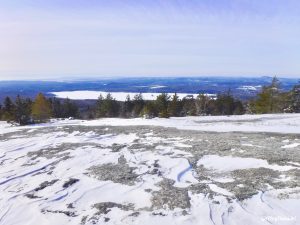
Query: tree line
point(271, 99)
point(167, 105)
point(25, 111)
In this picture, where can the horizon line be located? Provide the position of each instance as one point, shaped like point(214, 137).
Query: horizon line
point(78, 78)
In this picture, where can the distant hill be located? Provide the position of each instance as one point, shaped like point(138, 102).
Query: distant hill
point(241, 87)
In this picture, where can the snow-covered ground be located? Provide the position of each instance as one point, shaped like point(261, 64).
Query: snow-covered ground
point(274, 123)
point(119, 96)
point(114, 171)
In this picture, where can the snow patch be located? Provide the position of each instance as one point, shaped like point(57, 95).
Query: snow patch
point(294, 145)
point(229, 163)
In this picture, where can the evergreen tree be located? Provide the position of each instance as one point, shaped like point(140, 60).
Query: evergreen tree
point(225, 104)
point(202, 103)
point(23, 111)
point(57, 108)
point(138, 105)
point(8, 109)
point(188, 107)
point(295, 99)
point(127, 107)
point(41, 108)
point(263, 102)
point(107, 107)
point(285, 102)
point(150, 110)
point(239, 108)
point(269, 99)
point(70, 109)
point(174, 107)
point(161, 103)
point(99, 111)
point(275, 95)
point(90, 113)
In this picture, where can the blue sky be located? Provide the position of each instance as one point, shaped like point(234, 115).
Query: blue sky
point(42, 39)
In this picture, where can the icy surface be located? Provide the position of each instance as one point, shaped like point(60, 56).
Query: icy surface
point(114, 171)
point(119, 96)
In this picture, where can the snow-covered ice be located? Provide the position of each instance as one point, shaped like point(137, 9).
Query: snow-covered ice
point(119, 96)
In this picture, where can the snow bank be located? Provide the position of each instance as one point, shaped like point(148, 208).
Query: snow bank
point(275, 123)
point(272, 123)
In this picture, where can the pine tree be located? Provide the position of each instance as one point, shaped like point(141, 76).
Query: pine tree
point(202, 103)
point(150, 110)
point(57, 108)
point(269, 99)
point(263, 102)
point(274, 95)
point(127, 107)
point(41, 109)
point(239, 108)
point(174, 107)
point(188, 106)
point(69, 109)
point(8, 109)
point(161, 103)
point(225, 104)
point(138, 105)
point(99, 112)
point(107, 107)
point(22, 111)
point(295, 99)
